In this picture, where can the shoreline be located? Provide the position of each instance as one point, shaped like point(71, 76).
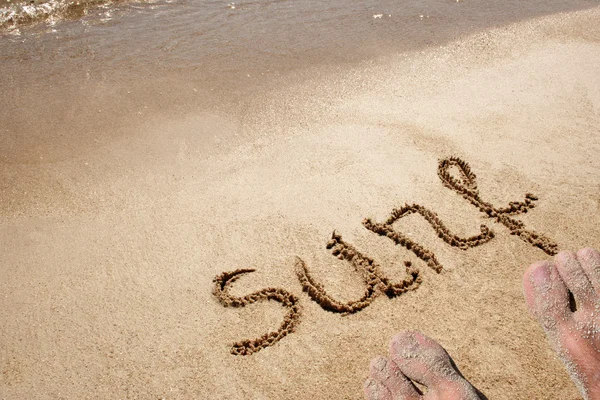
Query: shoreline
point(133, 102)
point(68, 56)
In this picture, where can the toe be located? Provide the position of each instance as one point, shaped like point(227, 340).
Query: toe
point(575, 278)
point(420, 358)
point(590, 262)
point(375, 390)
point(385, 371)
point(546, 296)
point(425, 361)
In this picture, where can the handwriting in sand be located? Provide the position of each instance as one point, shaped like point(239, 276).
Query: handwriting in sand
point(376, 282)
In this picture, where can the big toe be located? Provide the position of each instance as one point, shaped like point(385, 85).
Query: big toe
point(550, 291)
point(424, 361)
point(388, 382)
point(547, 297)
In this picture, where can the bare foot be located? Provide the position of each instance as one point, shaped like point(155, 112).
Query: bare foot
point(571, 324)
point(415, 357)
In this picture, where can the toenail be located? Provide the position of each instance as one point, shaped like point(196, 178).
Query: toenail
point(405, 345)
point(540, 278)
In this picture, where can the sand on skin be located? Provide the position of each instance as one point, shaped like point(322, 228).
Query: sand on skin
point(106, 285)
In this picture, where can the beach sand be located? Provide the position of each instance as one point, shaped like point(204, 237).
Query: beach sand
point(108, 257)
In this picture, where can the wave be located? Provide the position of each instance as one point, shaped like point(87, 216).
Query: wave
point(18, 14)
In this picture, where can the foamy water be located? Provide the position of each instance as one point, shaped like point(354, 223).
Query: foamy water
point(14, 15)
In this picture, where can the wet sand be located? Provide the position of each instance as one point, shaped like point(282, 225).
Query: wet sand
point(113, 233)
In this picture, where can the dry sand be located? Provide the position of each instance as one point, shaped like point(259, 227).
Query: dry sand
point(108, 258)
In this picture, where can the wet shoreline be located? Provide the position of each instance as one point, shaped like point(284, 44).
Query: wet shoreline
point(170, 52)
point(213, 40)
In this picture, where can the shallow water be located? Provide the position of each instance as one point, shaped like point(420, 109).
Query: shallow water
point(221, 37)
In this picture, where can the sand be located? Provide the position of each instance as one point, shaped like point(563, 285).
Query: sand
point(109, 257)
